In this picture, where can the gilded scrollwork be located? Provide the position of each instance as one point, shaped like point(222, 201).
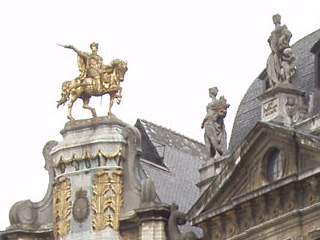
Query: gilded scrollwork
point(107, 199)
point(62, 206)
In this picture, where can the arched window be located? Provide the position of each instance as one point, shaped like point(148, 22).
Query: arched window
point(275, 164)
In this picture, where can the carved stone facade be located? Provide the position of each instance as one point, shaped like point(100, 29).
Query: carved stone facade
point(267, 192)
point(285, 104)
point(267, 185)
point(97, 188)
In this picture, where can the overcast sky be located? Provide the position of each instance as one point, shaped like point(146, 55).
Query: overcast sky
point(175, 50)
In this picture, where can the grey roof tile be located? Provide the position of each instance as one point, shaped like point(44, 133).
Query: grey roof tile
point(161, 137)
point(176, 177)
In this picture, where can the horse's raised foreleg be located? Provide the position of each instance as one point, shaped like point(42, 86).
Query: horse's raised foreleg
point(86, 106)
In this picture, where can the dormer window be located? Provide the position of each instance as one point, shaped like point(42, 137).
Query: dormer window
point(275, 164)
point(316, 51)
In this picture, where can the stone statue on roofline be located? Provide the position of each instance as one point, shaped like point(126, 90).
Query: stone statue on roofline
point(215, 135)
point(280, 64)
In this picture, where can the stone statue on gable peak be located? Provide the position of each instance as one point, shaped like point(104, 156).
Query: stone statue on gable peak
point(281, 62)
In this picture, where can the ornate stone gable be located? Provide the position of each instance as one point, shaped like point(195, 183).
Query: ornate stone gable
point(261, 182)
point(245, 170)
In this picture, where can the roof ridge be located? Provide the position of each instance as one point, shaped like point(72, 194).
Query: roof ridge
point(170, 130)
point(305, 37)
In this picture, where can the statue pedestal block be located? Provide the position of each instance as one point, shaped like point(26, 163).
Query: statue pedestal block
point(209, 170)
point(153, 222)
point(284, 104)
point(96, 183)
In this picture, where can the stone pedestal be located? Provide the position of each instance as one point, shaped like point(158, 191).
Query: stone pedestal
point(210, 170)
point(153, 221)
point(95, 183)
point(284, 104)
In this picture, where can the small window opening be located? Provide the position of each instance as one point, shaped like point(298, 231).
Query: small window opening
point(316, 51)
point(275, 165)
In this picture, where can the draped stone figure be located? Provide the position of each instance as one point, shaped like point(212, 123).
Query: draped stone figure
point(280, 64)
point(215, 135)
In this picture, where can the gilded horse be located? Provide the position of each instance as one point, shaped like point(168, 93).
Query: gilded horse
point(87, 87)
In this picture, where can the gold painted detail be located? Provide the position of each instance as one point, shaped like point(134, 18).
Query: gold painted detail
point(107, 200)
point(62, 207)
point(87, 155)
point(95, 79)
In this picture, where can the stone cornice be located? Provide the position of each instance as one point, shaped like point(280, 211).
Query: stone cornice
point(232, 163)
point(264, 190)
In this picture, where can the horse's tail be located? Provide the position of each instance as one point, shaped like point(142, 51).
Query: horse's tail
point(65, 93)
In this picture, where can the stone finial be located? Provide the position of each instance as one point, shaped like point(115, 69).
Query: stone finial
point(280, 64)
point(148, 193)
point(215, 135)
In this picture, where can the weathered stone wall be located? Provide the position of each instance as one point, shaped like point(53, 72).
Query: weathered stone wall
point(289, 211)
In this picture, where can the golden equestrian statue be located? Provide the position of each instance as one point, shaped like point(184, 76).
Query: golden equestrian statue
point(95, 79)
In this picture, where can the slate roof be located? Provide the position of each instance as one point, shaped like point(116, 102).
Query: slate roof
point(161, 136)
point(249, 111)
point(176, 174)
